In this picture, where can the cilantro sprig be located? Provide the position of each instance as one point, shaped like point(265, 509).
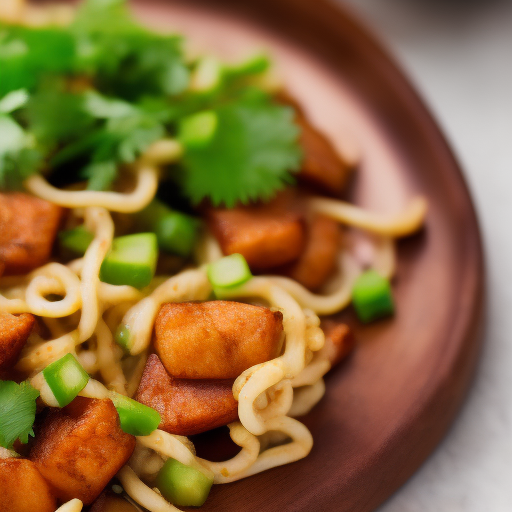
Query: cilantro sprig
point(17, 412)
point(78, 103)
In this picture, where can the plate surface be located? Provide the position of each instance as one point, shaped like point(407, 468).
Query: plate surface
point(391, 402)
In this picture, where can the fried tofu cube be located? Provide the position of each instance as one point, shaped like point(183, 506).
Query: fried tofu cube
point(217, 339)
point(318, 260)
point(23, 489)
point(339, 341)
point(322, 166)
point(267, 235)
point(80, 448)
point(28, 226)
point(186, 407)
point(14, 331)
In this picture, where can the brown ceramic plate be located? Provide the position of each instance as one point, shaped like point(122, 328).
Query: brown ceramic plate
point(388, 406)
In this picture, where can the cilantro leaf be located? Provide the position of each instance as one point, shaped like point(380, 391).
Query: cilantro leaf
point(126, 59)
point(56, 117)
point(17, 412)
point(100, 174)
point(27, 53)
point(18, 160)
point(249, 157)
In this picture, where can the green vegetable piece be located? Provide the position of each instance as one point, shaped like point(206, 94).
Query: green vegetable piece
point(229, 271)
point(255, 65)
point(176, 232)
point(17, 412)
point(131, 260)
point(123, 337)
point(66, 378)
point(372, 297)
point(197, 130)
point(136, 419)
point(183, 485)
point(76, 240)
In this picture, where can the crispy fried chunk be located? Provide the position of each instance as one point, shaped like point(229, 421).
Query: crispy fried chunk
point(217, 339)
point(318, 261)
point(322, 166)
point(339, 341)
point(80, 448)
point(267, 234)
point(23, 489)
point(186, 407)
point(14, 331)
point(28, 226)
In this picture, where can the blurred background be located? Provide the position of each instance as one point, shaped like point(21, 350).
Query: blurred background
point(459, 56)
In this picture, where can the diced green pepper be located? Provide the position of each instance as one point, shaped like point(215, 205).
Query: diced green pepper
point(176, 232)
point(136, 419)
point(197, 130)
point(183, 485)
point(229, 271)
point(76, 240)
point(372, 297)
point(131, 260)
point(66, 378)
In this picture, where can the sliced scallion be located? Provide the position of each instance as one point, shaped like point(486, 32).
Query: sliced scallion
point(229, 271)
point(136, 419)
point(131, 260)
point(66, 378)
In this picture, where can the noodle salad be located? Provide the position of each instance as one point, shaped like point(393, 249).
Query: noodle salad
point(171, 247)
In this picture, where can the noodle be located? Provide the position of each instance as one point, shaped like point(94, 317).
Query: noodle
point(101, 223)
point(141, 196)
point(396, 226)
point(74, 505)
point(141, 493)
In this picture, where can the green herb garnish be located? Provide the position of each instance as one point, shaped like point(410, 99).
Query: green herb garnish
point(17, 412)
point(79, 102)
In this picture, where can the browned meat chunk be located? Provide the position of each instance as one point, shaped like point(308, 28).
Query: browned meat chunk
point(14, 331)
point(215, 340)
point(23, 489)
point(111, 502)
point(318, 261)
point(186, 407)
point(80, 448)
point(322, 166)
point(267, 235)
point(28, 226)
point(339, 341)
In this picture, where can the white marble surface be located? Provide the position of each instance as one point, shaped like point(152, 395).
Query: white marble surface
point(459, 54)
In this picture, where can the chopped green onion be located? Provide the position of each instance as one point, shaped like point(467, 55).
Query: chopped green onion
point(372, 297)
point(183, 485)
point(66, 378)
point(136, 419)
point(76, 240)
point(197, 131)
point(131, 260)
point(123, 337)
point(229, 271)
point(176, 232)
